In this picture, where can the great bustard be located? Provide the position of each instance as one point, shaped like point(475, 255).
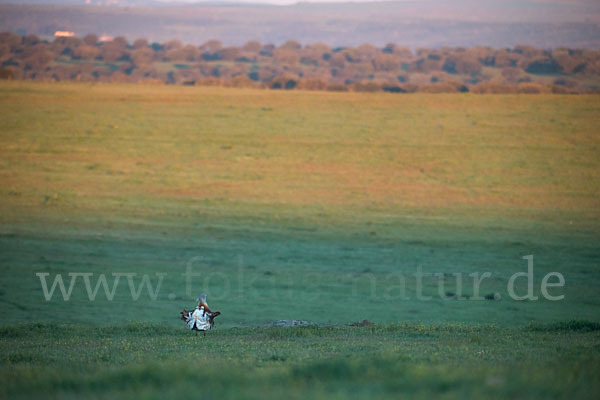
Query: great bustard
point(200, 319)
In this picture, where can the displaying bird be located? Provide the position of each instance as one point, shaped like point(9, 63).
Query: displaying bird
point(201, 319)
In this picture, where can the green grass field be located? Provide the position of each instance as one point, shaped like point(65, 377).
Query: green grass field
point(297, 205)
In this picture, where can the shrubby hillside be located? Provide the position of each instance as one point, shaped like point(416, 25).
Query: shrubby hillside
point(318, 66)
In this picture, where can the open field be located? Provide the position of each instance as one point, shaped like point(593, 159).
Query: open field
point(414, 361)
point(297, 205)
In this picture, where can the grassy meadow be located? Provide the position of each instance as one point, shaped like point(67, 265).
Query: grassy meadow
point(297, 205)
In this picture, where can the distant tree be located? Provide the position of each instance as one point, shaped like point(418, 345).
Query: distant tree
point(64, 73)
point(313, 54)
point(239, 69)
point(140, 44)
point(567, 62)
point(404, 53)
point(142, 56)
point(267, 50)
point(187, 76)
point(285, 81)
point(338, 60)
point(528, 51)
point(111, 52)
point(542, 65)
point(84, 72)
point(12, 41)
point(121, 42)
point(558, 89)
point(368, 86)
point(212, 46)
point(5, 53)
point(157, 47)
point(210, 81)
point(229, 53)
point(409, 87)
point(291, 45)
point(365, 53)
point(337, 87)
point(268, 72)
point(253, 46)
point(186, 53)
point(205, 68)
point(441, 87)
point(493, 88)
point(38, 60)
point(6, 74)
point(85, 52)
point(462, 65)
point(126, 68)
point(393, 88)
point(286, 56)
point(358, 71)
point(142, 72)
point(312, 84)
point(65, 45)
point(524, 78)
point(485, 55)
point(592, 64)
point(505, 58)
point(512, 74)
point(31, 40)
point(241, 81)
point(150, 81)
point(319, 47)
point(173, 45)
point(119, 76)
point(90, 39)
point(567, 83)
point(532, 88)
point(425, 65)
point(351, 55)
point(386, 62)
point(389, 48)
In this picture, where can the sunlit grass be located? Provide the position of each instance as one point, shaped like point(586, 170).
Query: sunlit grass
point(297, 206)
point(383, 361)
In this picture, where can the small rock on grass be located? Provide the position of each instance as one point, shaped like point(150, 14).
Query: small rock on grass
point(290, 322)
point(493, 296)
point(364, 322)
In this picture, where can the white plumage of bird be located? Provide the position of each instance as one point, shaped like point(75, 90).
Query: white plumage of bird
point(201, 319)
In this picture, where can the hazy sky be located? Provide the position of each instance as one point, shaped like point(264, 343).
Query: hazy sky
point(282, 2)
point(445, 2)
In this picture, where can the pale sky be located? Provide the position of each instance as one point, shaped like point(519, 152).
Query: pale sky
point(446, 2)
point(284, 2)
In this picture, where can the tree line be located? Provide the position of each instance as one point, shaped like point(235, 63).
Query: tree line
point(393, 68)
